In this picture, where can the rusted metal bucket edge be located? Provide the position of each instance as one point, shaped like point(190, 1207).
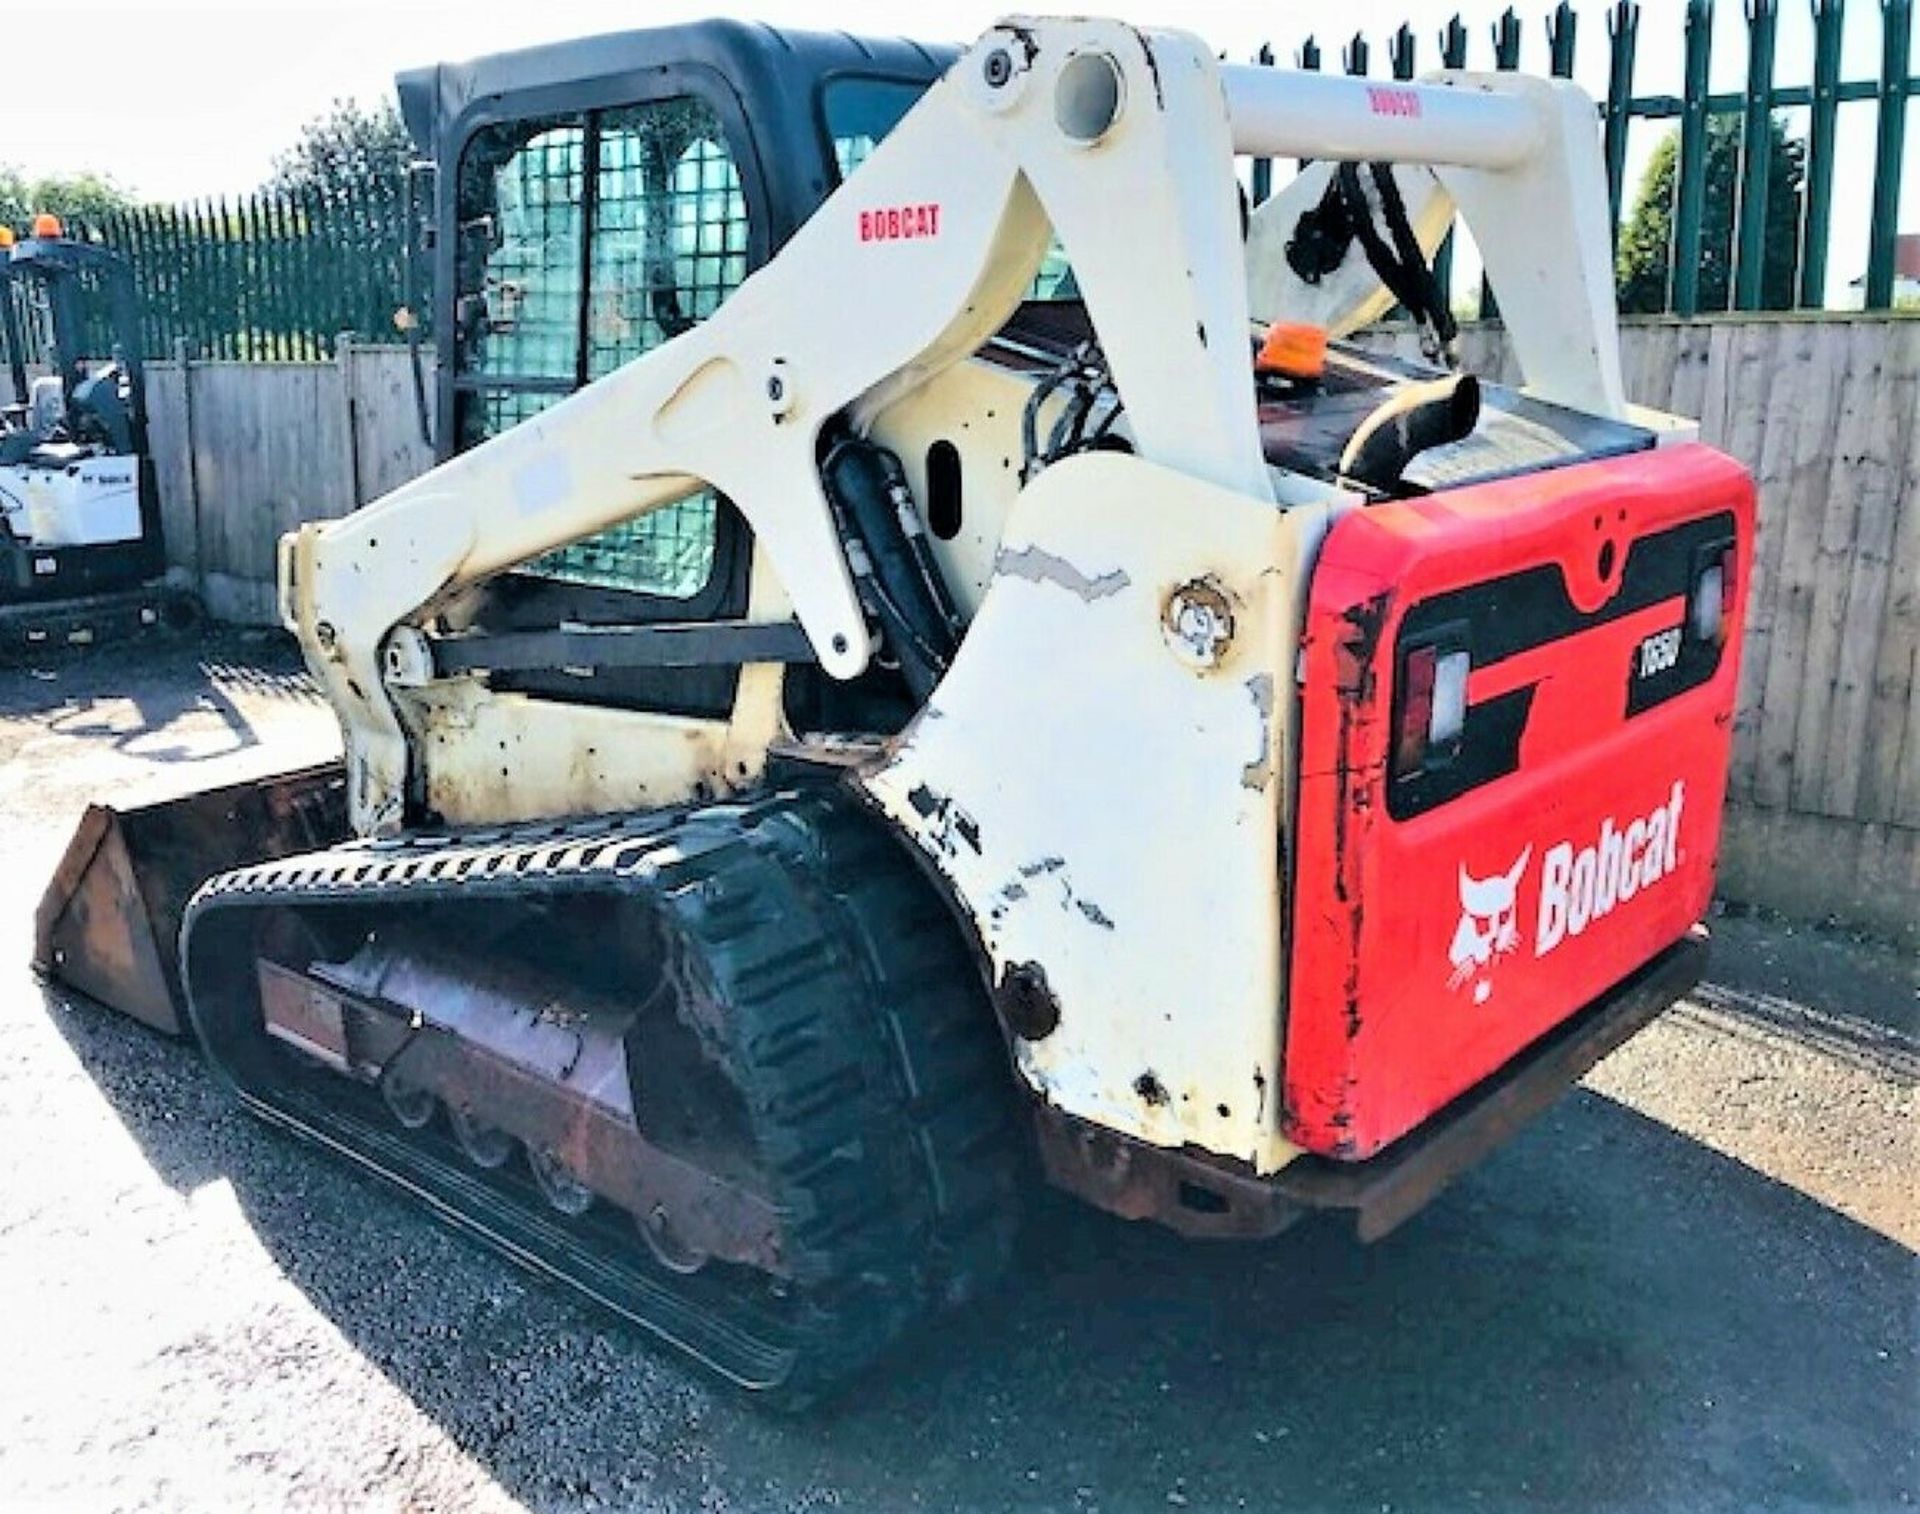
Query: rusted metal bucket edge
point(109, 921)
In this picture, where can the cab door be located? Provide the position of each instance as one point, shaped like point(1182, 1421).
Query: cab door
point(583, 237)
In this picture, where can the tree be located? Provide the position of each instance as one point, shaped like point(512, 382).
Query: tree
point(81, 197)
point(1646, 241)
point(348, 153)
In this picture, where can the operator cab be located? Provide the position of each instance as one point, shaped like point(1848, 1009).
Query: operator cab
point(592, 199)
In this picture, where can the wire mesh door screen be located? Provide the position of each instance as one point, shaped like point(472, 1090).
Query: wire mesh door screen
point(611, 235)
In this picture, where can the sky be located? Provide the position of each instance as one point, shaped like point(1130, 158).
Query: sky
point(177, 101)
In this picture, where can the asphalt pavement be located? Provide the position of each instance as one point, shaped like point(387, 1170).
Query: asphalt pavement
point(1692, 1286)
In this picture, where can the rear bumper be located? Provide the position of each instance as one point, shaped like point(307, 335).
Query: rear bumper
point(1391, 1187)
point(1201, 1200)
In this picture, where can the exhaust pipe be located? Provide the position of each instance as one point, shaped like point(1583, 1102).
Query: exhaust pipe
point(108, 925)
point(1416, 419)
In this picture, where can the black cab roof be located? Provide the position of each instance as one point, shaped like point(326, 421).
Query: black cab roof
point(764, 64)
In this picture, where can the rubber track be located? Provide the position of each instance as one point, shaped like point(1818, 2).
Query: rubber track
point(875, 1080)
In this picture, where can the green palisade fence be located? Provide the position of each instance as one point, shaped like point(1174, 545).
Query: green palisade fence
point(266, 277)
point(1695, 109)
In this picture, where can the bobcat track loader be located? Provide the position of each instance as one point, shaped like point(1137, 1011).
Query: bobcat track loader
point(992, 690)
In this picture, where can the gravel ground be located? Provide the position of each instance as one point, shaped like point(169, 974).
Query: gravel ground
point(1692, 1286)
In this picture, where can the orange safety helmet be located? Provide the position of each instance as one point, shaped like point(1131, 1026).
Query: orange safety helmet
point(47, 224)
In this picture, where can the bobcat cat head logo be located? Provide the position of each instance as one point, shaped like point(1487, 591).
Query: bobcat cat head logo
point(1487, 929)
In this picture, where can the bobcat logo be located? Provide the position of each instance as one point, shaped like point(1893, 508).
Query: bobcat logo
point(1486, 929)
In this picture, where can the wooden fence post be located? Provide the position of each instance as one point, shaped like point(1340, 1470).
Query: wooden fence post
point(183, 355)
point(343, 357)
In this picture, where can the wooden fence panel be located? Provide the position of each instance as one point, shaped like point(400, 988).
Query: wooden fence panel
point(168, 427)
point(1795, 493)
point(386, 419)
point(1857, 578)
point(270, 450)
point(1788, 450)
point(1890, 739)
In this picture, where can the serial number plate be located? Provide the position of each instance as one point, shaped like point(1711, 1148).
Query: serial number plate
point(1657, 653)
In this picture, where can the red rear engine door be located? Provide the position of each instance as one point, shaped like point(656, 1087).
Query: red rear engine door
point(1455, 900)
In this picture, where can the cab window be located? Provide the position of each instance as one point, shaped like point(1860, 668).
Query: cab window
point(587, 240)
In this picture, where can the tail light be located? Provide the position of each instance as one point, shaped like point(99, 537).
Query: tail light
point(1430, 711)
point(1711, 589)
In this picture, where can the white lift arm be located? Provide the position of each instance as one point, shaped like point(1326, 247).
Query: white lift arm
point(1519, 158)
point(1122, 142)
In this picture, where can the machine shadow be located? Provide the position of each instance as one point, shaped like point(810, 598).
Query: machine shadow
point(1606, 1315)
point(125, 696)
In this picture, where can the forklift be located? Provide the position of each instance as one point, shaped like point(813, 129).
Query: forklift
point(82, 558)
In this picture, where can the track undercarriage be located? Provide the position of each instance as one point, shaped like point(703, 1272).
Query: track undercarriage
point(726, 1070)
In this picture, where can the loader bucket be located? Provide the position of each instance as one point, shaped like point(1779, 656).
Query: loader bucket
point(109, 923)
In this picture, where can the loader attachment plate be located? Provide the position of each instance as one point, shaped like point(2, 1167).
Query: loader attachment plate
point(109, 922)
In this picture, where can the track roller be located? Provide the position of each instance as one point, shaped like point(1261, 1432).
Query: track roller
point(410, 1103)
point(557, 1184)
point(486, 1146)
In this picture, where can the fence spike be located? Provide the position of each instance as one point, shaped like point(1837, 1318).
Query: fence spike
point(1691, 195)
point(1262, 187)
point(265, 203)
point(165, 252)
point(323, 251)
point(1816, 224)
point(221, 316)
point(1400, 52)
point(1623, 31)
point(1563, 24)
point(222, 280)
point(246, 256)
point(1896, 48)
point(1756, 160)
point(193, 236)
point(1506, 58)
point(1506, 41)
point(279, 252)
